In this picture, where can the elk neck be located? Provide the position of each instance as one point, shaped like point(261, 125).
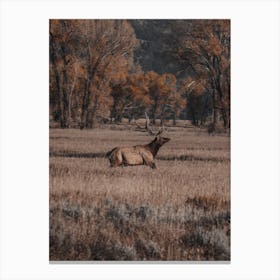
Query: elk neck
point(154, 147)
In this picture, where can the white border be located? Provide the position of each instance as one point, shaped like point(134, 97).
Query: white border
point(24, 138)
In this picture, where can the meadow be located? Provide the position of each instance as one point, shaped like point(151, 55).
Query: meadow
point(177, 212)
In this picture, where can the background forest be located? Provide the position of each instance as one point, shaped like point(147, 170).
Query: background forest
point(105, 71)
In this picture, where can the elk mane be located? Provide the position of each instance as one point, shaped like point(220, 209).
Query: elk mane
point(154, 147)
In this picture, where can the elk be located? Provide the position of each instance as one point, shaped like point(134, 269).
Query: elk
point(139, 154)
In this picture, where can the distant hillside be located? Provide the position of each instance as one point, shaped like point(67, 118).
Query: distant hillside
point(155, 52)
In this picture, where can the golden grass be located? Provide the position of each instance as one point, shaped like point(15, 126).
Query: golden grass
point(180, 211)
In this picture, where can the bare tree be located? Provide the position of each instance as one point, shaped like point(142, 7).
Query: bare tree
point(105, 41)
point(204, 46)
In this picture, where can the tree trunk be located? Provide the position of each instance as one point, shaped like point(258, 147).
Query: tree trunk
point(60, 87)
point(225, 115)
point(64, 89)
point(57, 96)
point(153, 113)
point(215, 110)
point(70, 99)
point(65, 108)
point(87, 95)
point(63, 120)
point(205, 111)
point(85, 105)
point(114, 109)
point(194, 121)
point(91, 114)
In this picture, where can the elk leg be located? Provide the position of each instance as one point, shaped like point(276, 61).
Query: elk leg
point(115, 164)
point(147, 161)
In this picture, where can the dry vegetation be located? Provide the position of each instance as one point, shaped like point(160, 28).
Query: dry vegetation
point(180, 211)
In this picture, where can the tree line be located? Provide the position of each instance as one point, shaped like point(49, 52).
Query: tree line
point(94, 77)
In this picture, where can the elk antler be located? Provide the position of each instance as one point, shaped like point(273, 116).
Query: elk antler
point(160, 131)
point(147, 126)
point(148, 129)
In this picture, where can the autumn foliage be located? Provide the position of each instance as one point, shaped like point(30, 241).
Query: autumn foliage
point(96, 78)
point(204, 46)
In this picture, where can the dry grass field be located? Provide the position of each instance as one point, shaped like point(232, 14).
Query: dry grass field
point(177, 212)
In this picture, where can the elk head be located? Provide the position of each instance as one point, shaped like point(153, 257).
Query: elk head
point(157, 142)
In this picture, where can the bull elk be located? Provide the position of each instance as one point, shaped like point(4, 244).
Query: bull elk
point(139, 154)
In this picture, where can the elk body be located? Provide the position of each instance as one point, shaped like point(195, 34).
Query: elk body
point(136, 155)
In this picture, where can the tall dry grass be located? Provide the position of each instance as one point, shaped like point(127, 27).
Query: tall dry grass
point(180, 211)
